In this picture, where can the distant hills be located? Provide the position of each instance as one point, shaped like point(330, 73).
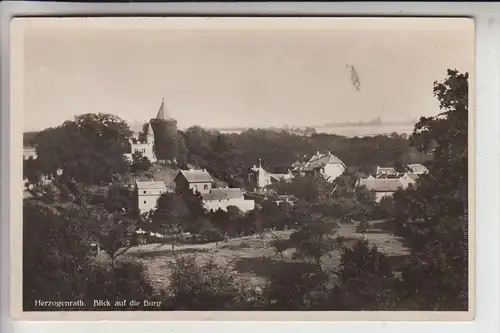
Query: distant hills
point(371, 127)
point(377, 122)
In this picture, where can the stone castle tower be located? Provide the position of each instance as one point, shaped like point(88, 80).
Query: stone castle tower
point(164, 130)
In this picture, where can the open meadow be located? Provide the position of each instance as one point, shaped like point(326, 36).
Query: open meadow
point(254, 258)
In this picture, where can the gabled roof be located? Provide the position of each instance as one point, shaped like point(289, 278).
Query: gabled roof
point(417, 168)
point(223, 194)
point(196, 176)
point(151, 184)
point(320, 160)
point(381, 185)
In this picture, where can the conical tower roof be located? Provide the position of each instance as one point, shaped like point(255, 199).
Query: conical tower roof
point(161, 115)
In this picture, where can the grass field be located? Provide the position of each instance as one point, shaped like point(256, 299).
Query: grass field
point(253, 258)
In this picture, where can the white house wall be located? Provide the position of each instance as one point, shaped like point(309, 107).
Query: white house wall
point(200, 187)
point(380, 195)
point(145, 148)
point(148, 198)
point(333, 171)
point(242, 204)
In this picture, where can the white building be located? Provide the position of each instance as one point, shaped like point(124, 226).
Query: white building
point(197, 181)
point(29, 152)
point(391, 172)
point(146, 148)
point(262, 178)
point(417, 169)
point(327, 165)
point(221, 198)
point(382, 187)
point(259, 177)
point(408, 179)
point(148, 192)
point(385, 172)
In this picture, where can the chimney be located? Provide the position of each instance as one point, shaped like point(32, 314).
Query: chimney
point(317, 153)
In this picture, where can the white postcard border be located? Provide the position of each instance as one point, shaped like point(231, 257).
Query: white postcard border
point(485, 56)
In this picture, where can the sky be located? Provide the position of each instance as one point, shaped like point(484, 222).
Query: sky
point(239, 72)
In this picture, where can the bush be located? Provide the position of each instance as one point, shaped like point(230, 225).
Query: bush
point(365, 280)
point(207, 286)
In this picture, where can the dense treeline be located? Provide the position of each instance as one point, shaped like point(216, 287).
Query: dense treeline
point(65, 226)
point(226, 156)
point(229, 156)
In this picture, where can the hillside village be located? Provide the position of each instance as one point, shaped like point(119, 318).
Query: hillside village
point(199, 220)
point(164, 176)
point(148, 189)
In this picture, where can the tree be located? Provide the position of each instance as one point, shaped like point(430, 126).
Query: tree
point(54, 253)
point(139, 163)
point(314, 239)
point(59, 262)
point(224, 158)
point(119, 198)
point(365, 280)
point(115, 234)
point(90, 148)
point(386, 207)
point(437, 206)
point(206, 286)
point(182, 150)
point(220, 219)
point(274, 216)
point(298, 286)
point(170, 213)
point(210, 233)
point(445, 137)
point(435, 277)
point(199, 145)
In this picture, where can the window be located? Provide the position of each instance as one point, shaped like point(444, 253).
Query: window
point(195, 188)
point(206, 187)
point(144, 201)
point(144, 192)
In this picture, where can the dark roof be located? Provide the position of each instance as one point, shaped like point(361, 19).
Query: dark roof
point(381, 185)
point(386, 170)
point(223, 194)
point(196, 176)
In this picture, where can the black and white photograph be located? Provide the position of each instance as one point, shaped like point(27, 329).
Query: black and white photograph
point(244, 164)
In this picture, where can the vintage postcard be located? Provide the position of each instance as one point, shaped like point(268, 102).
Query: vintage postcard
point(209, 168)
